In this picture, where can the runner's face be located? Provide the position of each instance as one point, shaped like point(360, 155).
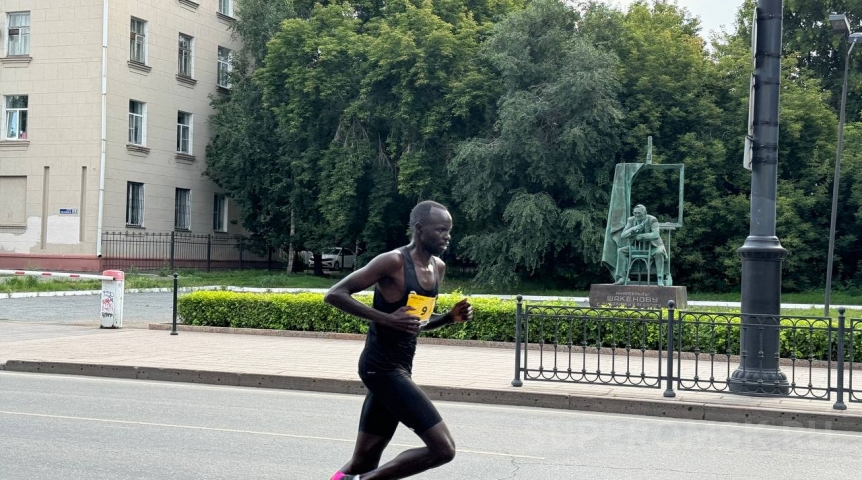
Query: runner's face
point(435, 233)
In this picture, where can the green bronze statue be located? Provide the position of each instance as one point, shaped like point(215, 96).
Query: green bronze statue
point(641, 232)
point(633, 244)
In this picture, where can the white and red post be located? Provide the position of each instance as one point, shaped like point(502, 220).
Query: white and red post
point(113, 293)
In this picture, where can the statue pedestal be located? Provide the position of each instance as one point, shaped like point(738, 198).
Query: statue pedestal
point(636, 296)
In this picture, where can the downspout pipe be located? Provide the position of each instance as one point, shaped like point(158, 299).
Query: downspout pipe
point(104, 135)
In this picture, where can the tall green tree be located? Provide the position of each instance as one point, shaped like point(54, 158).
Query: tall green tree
point(243, 153)
point(808, 38)
point(536, 183)
point(369, 99)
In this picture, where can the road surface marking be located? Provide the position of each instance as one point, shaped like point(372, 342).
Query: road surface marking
point(248, 432)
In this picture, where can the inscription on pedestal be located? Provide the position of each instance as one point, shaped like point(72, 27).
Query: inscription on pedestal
point(636, 296)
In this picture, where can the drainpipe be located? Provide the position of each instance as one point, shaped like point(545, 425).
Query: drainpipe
point(104, 139)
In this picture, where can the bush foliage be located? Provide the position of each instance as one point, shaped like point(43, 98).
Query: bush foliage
point(564, 324)
point(493, 319)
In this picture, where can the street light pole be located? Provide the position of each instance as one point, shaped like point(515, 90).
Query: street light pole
point(762, 254)
point(840, 25)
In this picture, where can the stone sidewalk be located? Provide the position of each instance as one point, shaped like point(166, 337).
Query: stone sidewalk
point(327, 363)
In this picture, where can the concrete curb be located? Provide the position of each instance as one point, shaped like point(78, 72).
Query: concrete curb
point(514, 397)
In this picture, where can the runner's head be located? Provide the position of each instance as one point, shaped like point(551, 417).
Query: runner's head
point(431, 225)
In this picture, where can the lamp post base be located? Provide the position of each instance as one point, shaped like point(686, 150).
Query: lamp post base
point(759, 381)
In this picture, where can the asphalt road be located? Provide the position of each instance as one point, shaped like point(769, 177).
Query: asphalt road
point(139, 309)
point(66, 427)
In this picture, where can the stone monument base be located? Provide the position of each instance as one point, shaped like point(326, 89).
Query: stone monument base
point(636, 296)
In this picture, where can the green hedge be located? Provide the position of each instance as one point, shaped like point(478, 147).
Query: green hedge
point(493, 320)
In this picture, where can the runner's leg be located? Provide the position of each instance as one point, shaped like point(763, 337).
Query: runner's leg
point(376, 427)
point(439, 449)
point(408, 404)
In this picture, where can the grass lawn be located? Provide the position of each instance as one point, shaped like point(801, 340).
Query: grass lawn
point(274, 279)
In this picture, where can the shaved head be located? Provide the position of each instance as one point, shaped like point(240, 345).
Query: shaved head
point(422, 212)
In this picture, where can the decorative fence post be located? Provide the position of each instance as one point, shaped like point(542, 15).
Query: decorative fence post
point(839, 402)
point(173, 247)
point(517, 381)
point(668, 392)
point(239, 239)
point(174, 312)
point(209, 250)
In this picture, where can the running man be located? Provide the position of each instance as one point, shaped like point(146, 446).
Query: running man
point(405, 282)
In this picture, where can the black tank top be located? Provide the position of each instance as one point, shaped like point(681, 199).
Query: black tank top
point(387, 349)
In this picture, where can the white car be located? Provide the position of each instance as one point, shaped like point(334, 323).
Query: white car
point(337, 258)
point(306, 257)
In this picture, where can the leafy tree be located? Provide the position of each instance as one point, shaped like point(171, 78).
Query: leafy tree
point(258, 20)
point(243, 154)
point(369, 99)
point(809, 39)
point(537, 181)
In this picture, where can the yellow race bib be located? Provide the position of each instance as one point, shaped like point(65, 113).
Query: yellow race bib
point(423, 306)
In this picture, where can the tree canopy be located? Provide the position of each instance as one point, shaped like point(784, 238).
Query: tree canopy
point(342, 115)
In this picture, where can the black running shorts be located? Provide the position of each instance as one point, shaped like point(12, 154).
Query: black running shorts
point(393, 397)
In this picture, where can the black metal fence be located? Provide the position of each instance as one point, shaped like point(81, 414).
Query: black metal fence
point(592, 345)
point(805, 355)
point(157, 251)
point(688, 350)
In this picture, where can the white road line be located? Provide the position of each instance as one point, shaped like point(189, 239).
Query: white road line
point(247, 432)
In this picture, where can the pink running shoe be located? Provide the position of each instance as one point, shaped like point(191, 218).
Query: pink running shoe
point(341, 476)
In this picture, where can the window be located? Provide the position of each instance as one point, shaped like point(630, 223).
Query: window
point(15, 116)
point(224, 67)
point(134, 204)
point(225, 7)
point(184, 132)
point(18, 36)
point(220, 212)
point(138, 41)
point(183, 209)
point(185, 56)
point(137, 123)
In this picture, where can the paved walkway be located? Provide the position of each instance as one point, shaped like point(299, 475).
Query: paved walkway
point(446, 372)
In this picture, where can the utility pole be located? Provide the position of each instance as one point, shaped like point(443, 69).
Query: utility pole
point(762, 254)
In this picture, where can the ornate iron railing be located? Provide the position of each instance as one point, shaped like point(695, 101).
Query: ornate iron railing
point(711, 344)
point(592, 345)
point(170, 250)
point(694, 351)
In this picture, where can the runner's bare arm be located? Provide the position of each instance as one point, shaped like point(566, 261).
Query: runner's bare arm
point(379, 269)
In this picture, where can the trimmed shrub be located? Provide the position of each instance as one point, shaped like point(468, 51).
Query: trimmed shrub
point(494, 320)
point(280, 311)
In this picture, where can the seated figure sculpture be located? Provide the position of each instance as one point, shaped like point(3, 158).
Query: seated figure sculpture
point(641, 227)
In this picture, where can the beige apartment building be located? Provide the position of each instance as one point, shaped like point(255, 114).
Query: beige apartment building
point(104, 124)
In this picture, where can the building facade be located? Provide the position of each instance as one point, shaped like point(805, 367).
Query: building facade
point(104, 124)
